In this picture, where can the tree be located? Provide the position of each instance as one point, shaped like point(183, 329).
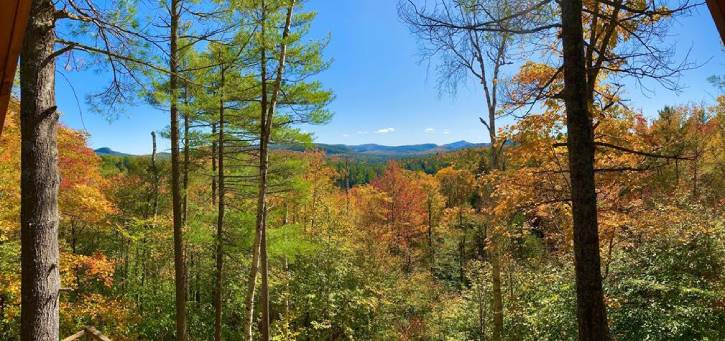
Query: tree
point(40, 179)
point(606, 52)
point(267, 107)
point(465, 53)
point(434, 203)
point(591, 311)
point(305, 103)
point(179, 268)
point(621, 42)
point(403, 212)
point(220, 213)
point(181, 42)
point(39, 185)
point(458, 186)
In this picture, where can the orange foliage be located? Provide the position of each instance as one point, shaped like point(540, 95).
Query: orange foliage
point(393, 210)
point(82, 202)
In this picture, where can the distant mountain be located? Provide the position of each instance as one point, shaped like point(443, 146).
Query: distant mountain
point(366, 151)
point(109, 151)
point(463, 145)
point(387, 152)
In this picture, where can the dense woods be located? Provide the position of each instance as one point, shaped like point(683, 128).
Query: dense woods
point(406, 255)
point(581, 219)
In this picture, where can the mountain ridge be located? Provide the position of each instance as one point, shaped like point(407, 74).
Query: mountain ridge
point(402, 150)
point(109, 151)
point(366, 150)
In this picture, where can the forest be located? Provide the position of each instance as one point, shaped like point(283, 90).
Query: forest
point(580, 218)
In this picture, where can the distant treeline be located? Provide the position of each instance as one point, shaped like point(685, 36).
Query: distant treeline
point(351, 170)
point(354, 171)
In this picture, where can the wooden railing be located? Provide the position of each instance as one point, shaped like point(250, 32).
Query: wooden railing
point(89, 333)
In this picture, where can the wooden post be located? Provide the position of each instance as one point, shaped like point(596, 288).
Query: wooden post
point(89, 333)
point(717, 10)
point(13, 19)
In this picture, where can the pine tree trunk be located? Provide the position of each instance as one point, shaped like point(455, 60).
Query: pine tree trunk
point(179, 268)
point(40, 278)
point(185, 181)
point(155, 174)
point(261, 192)
point(263, 170)
point(264, 292)
point(261, 240)
point(591, 312)
point(220, 222)
point(213, 164)
point(265, 127)
point(251, 288)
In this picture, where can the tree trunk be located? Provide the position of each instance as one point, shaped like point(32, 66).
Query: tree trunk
point(491, 103)
point(695, 174)
point(155, 211)
point(264, 294)
point(265, 127)
point(431, 249)
point(495, 259)
point(263, 170)
point(155, 174)
point(40, 278)
point(497, 299)
point(213, 164)
point(251, 287)
point(185, 189)
point(179, 269)
point(261, 192)
point(220, 222)
point(462, 259)
point(481, 313)
point(677, 174)
point(591, 312)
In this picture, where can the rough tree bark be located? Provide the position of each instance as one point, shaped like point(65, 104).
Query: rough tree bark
point(263, 170)
point(591, 312)
point(185, 181)
point(268, 105)
point(220, 221)
point(179, 268)
point(40, 278)
point(261, 209)
point(251, 288)
point(155, 174)
point(213, 164)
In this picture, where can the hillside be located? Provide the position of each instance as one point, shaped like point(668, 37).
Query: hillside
point(373, 151)
point(396, 151)
point(369, 151)
point(109, 151)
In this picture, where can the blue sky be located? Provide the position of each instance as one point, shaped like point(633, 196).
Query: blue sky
point(384, 94)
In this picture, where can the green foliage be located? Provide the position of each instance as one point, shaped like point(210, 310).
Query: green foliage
point(334, 298)
point(362, 247)
point(671, 287)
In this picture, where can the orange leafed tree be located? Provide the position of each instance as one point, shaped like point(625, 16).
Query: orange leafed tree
point(393, 208)
point(83, 206)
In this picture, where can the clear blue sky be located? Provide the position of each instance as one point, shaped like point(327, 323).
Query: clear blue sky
point(383, 93)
